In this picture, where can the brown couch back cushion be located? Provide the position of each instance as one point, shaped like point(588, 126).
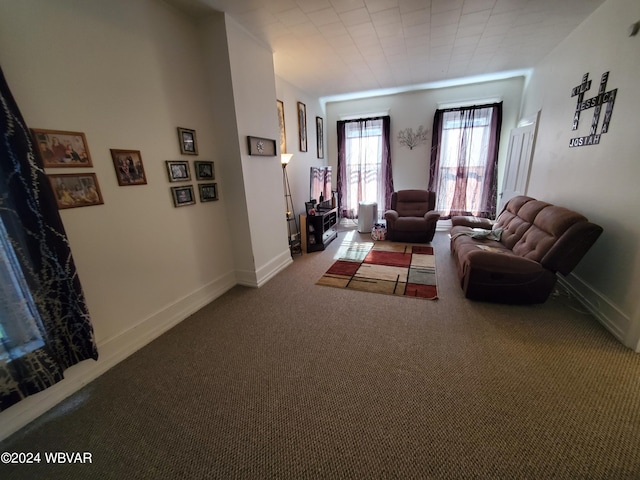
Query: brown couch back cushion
point(549, 225)
point(516, 219)
point(531, 227)
point(412, 203)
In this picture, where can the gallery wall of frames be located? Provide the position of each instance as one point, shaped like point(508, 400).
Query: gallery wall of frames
point(61, 149)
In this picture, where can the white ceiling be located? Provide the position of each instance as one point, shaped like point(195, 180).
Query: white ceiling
point(332, 47)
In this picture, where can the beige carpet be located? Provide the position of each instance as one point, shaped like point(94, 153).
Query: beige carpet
point(299, 381)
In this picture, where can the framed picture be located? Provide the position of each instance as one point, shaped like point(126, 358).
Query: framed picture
point(283, 135)
point(320, 136)
point(76, 190)
point(188, 142)
point(302, 126)
point(129, 168)
point(204, 170)
point(62, 149)
point(208, 192)
point(183, 195)
point(262, 146)
point(178, 171)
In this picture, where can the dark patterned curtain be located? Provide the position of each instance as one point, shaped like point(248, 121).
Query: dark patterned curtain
point(44, 321)
point(364, 164)
point(464, 160)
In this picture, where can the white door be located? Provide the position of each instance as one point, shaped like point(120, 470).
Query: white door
point(519, 153)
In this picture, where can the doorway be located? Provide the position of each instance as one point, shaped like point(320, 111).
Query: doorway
point(519, 155)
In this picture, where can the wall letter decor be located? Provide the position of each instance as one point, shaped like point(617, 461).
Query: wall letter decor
point(596, 103)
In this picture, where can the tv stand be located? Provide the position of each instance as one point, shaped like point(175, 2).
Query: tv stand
point(319, 230)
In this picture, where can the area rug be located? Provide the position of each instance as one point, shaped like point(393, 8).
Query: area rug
point(385, 267)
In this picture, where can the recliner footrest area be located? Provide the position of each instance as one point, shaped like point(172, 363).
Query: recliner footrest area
point(509, 287)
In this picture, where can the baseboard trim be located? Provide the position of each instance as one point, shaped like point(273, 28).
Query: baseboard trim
point(601, 307)
point(265, 273)
point(443, 225)
point(111, 352)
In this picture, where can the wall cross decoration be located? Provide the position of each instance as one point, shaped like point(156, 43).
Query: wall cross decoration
point(603, 97)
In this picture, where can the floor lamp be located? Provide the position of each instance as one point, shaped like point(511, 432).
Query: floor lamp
point(292, 220)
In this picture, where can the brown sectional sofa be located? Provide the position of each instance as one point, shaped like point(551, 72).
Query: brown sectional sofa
point(515, 259)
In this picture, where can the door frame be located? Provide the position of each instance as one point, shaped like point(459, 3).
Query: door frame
point(522, 170)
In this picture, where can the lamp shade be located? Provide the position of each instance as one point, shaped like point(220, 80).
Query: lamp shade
point(285, 158)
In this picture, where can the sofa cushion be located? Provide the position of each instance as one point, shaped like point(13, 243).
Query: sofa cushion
point(548, 226)
point(517, 218)
point(469, 221)
point(412, 209)
point(463, 239)
point(410, 224)
point(412, 203)
point(463, 246)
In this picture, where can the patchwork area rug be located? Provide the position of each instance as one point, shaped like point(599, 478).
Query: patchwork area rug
point(385, 267)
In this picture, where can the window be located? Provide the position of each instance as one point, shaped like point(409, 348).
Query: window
point(21, 325)
point(364, 147)
point(464, 158)
point(364, 164)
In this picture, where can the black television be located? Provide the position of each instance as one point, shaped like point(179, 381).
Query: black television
point(320, 186)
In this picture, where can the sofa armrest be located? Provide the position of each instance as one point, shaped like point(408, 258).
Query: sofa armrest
point(391, 215)
point(473, 222)
point(432, 216)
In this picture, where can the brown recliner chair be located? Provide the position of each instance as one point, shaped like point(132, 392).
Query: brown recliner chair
point(411, 217)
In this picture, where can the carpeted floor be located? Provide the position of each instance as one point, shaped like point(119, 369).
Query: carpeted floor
point(385, 267)
point(299, 381)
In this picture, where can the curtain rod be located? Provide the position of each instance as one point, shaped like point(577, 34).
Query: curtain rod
point(366, 119)
point(364, 116)
point(468, 103)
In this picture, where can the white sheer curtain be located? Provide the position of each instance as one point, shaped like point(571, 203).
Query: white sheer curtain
point(464, 160)
point(364, 164)
point(20, 325)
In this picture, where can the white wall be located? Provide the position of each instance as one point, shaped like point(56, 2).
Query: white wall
point(599, 181)
point(127, 74)
point(254, 94)
point(298, 170)
point(411, 109)
point(240, 72)
point(213, 37)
